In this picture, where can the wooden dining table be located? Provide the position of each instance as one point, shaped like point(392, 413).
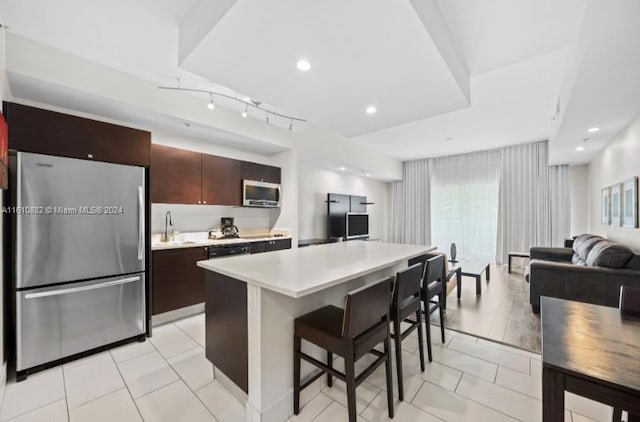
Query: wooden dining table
point(591, 351)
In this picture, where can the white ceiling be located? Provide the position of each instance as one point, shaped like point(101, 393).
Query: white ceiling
point(414, 59)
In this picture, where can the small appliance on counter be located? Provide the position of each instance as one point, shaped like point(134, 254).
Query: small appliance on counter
point(229, 230)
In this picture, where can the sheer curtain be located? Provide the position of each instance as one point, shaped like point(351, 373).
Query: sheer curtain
point(560, 204)
point(534, 200)
point(489, 203)
point(410, 201)
point(464, 203)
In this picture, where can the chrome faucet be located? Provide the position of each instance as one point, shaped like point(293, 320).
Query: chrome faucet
point(168, 221)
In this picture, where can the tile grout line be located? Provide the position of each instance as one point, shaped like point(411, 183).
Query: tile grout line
point(182, 379)
point(66, 400)
point(44, 404)
point(127, 385)
point(323, 409)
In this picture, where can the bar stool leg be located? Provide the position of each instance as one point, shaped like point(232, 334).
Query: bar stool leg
point(297, 342)
point(397, 331)
point(427, 323)
point(389, 374)
point(441, 321)
point(420, 339)
point(350, 381)
point(330, 365)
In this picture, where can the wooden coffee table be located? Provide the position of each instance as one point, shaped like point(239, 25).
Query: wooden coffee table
point(471, 269)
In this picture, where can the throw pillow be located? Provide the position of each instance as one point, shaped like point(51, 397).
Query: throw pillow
point(584, 243)
point(608, 254)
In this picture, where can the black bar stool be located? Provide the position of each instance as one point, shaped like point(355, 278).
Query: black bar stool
point(406, 302)
point(432, 286)
point(350, 333)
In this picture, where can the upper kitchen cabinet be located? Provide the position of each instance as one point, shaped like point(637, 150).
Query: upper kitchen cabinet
point(221, 181)
point(46, 132)
point(175, 175)
point(260, 172)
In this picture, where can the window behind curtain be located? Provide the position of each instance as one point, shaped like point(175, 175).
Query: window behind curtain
point(464, 204)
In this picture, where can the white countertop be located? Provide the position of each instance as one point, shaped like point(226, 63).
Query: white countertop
point(193, 240)
point(302, 271)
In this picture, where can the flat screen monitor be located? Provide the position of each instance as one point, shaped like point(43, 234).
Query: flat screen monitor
point(357, 226)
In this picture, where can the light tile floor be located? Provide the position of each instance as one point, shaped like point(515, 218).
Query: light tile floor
point(169, 379)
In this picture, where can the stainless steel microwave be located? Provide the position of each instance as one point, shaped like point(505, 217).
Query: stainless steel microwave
point(260, 194)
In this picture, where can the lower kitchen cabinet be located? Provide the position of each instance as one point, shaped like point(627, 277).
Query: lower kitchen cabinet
point(177, 281)
point(270, 245)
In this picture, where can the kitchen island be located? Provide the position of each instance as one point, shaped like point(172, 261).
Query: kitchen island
point(252, 301)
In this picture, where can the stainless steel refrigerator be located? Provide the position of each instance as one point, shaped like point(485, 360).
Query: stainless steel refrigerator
point(79, 257)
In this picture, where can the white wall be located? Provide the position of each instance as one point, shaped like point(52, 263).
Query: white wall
point(579, 198)
point(615, 163)
point(313, 185)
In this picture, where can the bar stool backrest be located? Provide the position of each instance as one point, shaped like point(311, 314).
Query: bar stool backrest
point(433, 269)
point(407, 284)
point(366, 307)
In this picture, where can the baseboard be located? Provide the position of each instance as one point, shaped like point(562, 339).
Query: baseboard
point(181, 313)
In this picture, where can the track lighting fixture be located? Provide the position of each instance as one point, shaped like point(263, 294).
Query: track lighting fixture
point(248, 102)
point(267, 119)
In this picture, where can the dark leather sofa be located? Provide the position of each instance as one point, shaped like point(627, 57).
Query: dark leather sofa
point(592, 271)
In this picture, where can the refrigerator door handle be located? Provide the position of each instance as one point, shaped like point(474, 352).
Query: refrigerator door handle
point(140, 223)
point(81, 289)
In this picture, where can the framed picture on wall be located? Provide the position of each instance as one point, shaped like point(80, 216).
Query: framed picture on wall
point(616, 211)
point(630, 203)
point(605, 205)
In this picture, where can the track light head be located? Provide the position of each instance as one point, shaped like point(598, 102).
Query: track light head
point(290, 125)
point(244, 113)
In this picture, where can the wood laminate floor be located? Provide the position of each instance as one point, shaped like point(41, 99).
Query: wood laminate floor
point(502, 313)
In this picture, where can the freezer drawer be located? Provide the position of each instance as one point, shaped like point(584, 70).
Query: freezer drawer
point(57, 322)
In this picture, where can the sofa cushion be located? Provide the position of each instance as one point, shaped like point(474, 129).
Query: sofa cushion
point(577, 260)
point(634, 263)
point(608, 254)
point(583, 244)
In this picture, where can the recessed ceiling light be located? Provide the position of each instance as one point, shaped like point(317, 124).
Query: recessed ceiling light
point(303, 65)
point(368, 174)
point(343, 168)
point(593, 129)
point(371, 109)
point(580, 148)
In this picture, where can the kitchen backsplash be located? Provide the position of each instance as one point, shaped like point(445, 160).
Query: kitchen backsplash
point(199, 218)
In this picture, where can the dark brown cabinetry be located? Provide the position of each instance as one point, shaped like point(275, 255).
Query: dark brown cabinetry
point(221, 181)
point(260, 172)
point(177, 280)
point(46, 132)
point(180, 176)
point(270, 245)
point(175, 175)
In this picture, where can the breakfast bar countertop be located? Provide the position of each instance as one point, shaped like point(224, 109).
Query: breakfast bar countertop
point(302, 271)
